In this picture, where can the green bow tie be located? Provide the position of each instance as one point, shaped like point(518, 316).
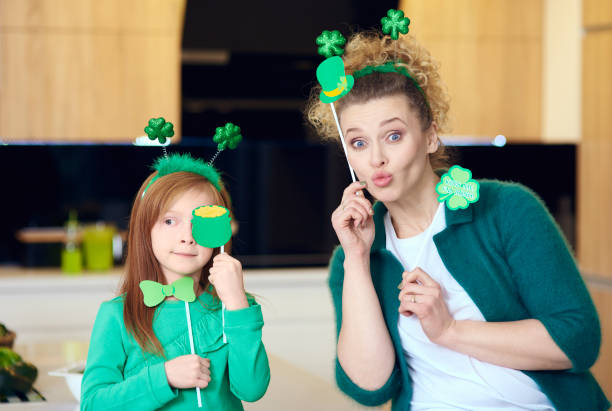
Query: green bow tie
point(154, 292)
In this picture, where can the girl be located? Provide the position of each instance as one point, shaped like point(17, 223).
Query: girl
point(139, 357)
point(495, 314)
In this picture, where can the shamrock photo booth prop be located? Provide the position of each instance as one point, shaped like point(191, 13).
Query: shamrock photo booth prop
point(457, 188)
point(154, 292)
point(335, 84)
point(211, 227)
point(182, 289)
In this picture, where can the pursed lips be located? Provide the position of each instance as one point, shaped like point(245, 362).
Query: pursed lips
point(382, 179)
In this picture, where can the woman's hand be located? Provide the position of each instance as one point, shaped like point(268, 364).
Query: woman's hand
point(422, 296)
point(188, 371)
point(226, 277)
point(353, 222)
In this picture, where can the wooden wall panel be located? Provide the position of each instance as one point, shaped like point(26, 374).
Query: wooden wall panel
point(73, 15)
point(594, 220)
point(597, 85)
point(76, 70)
point(602, 297)
point(491, 57)
point(597, 13)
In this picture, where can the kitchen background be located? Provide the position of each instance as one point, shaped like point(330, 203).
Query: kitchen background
point(79, 80)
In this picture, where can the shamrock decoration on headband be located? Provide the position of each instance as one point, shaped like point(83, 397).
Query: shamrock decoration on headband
point(159, 129)
point(457, 188)
point(330, 43)
point(395, 23)
point(227, 136)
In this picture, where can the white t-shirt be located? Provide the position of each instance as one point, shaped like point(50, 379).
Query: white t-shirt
point(444, 379)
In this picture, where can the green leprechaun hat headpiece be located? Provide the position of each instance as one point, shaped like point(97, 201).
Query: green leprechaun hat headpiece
point(335, 84)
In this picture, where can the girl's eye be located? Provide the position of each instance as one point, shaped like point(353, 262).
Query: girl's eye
point(169, 221)
point(358, 143)
point(394, 137)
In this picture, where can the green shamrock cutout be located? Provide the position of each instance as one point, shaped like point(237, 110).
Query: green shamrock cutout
point(395, 23)
point(159, 129)
point(330, 43)
point(457, 188)
point(227, 136)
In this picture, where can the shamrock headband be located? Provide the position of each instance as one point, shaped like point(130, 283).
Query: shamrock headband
point(176, 162)
point(227, 136)
point(331, 44)
point(389, 67)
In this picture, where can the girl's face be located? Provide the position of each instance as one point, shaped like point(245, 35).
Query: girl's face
point(173, 245)
point(386, 146)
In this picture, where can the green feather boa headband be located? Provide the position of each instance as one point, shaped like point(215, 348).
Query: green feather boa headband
point(184, 162)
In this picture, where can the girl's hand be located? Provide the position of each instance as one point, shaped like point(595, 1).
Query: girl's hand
point(188, 371)
point(353, 221)
point(422, 296)
point(226, 277)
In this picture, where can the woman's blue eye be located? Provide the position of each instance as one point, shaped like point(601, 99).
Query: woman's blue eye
point(358, 144)
point(394, 137)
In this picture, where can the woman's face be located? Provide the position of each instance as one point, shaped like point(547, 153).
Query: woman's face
point(173, 244)
point(386, 146)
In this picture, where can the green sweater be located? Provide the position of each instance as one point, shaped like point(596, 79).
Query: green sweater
point(119, 375)
point(508, 254)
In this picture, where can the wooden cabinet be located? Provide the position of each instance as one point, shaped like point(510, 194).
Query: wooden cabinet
point(491, 60)
point(85, 70)
point(594, 170)
point(602, 296)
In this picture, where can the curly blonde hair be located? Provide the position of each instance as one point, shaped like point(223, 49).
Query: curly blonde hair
point(372, 48)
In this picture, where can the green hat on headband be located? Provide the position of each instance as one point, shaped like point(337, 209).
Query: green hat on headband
point(334, 82)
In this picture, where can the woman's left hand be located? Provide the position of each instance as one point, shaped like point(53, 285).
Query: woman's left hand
point(422, 296)
point(226, 277)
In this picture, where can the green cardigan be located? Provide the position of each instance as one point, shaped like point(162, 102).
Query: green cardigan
point(508, 254)
point(120, 376)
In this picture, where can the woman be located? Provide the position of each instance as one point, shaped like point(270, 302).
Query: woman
point(495, 315)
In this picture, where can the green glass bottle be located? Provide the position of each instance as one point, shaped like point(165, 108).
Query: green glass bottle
point(72, 259)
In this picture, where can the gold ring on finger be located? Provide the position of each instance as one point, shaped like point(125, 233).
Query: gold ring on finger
point(413, 300)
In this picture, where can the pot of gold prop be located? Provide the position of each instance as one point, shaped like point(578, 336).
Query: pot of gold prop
point(211, 226)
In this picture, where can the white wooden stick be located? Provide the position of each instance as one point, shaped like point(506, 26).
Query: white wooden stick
point(342, 140)
point(223, 310)
point(192, 348)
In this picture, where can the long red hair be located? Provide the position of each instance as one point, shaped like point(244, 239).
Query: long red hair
point(141, 263)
